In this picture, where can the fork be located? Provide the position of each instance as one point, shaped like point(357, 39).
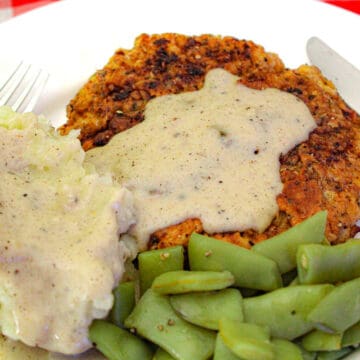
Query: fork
point(23, 88)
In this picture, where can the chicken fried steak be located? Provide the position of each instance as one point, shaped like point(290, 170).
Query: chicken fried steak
point(320, 173)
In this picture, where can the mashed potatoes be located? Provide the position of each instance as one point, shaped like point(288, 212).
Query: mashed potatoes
point(59, 236)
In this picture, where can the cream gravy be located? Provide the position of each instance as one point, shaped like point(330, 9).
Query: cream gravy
point(212, 154)
point(60, 255)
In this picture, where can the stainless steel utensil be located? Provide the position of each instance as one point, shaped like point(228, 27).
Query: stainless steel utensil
point(23, 88)
point(344, 75)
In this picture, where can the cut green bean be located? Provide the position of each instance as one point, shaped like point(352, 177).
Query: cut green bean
point(162, 355)
point(222, 352)
point(282, 248)
point(206, 309)
point(156, 262)
point(307, 355)
point(295, 282)
point(352, 336)
point(334, 355)
point(250, 269)
point(339, 310)
point(285, 350)
point(318, 340)
point(124, 302)
point(248, 341)
point(118, 344)
point(154, 318)
point(319, 264)
point(180, 282)
point(285, 310)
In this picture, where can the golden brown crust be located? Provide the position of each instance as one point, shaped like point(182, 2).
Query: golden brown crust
point(115, 97)
point(321, 173)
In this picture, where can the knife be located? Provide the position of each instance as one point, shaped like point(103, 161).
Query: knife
point(345, 76)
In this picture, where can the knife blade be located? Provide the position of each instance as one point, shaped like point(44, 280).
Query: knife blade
point(344, 75)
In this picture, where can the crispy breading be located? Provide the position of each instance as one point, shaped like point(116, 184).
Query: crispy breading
point(321, 173)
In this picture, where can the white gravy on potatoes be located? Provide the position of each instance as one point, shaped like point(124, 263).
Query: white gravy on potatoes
point(211, 154)
point(60, 255)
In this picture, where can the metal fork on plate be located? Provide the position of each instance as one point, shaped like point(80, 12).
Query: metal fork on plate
point(23, 88)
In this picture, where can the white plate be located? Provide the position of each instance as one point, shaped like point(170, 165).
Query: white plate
point(73, 38)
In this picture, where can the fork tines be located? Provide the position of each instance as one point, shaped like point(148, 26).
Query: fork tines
point(23, 88)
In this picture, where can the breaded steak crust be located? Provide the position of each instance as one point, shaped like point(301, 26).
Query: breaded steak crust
point(321, 173)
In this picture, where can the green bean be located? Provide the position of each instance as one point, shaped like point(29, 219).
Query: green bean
point(282, 248)
point(334, 355)
point(222, 352)
point(206, 309)
point(307, 355)
point(156, 262)
point(154, 318)
point(319, 264)
point(295, 282)
point(162, 355)
point(116, 343)
point(285, 310)
point(339, 310)
point(248, 341)
point(352, 336)
point(180, 282)
point(318, 340)
point(251, 270)
point(285, 350)
point(124, 302)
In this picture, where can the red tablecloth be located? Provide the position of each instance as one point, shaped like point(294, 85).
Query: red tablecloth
point(352, 5)
point(10, 8)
